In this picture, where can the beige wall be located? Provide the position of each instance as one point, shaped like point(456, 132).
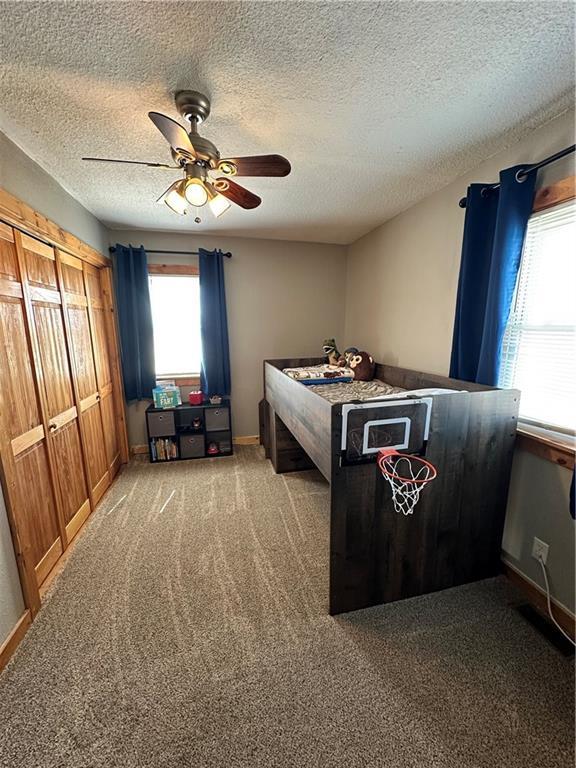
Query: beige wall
point(400, 300)
point(25, 179)
point(283, 299)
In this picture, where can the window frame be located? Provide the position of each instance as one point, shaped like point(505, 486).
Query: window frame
point(176, 270)
point(547, 445)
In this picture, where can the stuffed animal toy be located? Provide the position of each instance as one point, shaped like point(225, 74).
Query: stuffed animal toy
point(363, 366)
point(344, 360)
point(331, 350)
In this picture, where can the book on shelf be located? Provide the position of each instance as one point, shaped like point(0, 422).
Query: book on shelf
point(163, 449)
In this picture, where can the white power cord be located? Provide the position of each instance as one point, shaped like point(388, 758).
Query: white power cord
point(566, 635)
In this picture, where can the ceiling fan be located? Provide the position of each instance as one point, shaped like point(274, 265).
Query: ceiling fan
point(207, 178)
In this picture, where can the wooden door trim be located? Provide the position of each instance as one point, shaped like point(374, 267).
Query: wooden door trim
point(20, 215)
point(27, 440)
point(11, 643)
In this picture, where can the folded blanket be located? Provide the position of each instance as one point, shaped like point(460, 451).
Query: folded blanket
point(337, 380)
point(318, 373)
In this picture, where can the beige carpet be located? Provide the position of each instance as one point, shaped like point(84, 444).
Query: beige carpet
point(190, 629)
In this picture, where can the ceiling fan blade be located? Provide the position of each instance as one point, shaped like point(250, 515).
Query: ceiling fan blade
point(173, 132)
point(131, 162)
point(260, 165)
point(237, 194)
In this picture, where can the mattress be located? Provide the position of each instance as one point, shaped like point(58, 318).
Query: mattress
point(355, 390)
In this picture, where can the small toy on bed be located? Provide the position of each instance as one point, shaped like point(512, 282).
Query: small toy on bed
point(329, 348)
point(344, 360)
point(363, 366)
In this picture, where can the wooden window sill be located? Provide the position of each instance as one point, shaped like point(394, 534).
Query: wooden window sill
point(184, 380)
point(546, 448)
point(174, 270)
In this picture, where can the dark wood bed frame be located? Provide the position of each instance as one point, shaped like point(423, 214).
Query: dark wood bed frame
point(453, 537)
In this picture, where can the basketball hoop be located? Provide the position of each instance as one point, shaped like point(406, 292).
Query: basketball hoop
point(407, 476)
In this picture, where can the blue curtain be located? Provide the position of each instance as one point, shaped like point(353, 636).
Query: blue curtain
point(494, 231)
point(215, 373)
point(130, 271)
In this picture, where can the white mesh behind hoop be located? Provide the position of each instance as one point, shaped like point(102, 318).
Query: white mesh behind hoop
point(407, 475)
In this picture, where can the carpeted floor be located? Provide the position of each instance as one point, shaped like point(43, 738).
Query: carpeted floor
point(190, 629)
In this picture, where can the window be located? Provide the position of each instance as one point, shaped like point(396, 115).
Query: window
point(539, 346)
point(175, 301)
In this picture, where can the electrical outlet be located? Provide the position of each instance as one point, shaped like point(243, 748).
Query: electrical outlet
point(539, 550)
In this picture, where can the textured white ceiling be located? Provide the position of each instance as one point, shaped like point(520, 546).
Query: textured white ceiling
point(375, 104)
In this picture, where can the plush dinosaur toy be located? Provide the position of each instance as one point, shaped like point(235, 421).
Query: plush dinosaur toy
point(329, 347)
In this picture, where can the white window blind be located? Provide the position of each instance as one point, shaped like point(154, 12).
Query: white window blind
point(539, 346)
point(175, 303)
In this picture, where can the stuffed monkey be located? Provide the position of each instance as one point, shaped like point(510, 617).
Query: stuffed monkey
point(363, 366)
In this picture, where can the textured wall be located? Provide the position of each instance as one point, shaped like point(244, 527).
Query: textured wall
point(25, 179)
point(283, 300)
point(400, 300)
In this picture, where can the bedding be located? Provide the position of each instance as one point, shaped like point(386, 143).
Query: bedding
point(320, 374)
point(355, 390)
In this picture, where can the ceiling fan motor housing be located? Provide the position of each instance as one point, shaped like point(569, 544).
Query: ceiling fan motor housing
point(195, 107)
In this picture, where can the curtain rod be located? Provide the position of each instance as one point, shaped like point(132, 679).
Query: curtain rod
point(179, 253)
point(523, 173)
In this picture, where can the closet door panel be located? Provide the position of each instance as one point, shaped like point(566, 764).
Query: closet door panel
point(81, 344)
point(96, 313)
point(96, 451)
point(71, 478)
point(56, 369)
point(84, 372)
point(17, 391)
point(38, 511)
point(110, 434)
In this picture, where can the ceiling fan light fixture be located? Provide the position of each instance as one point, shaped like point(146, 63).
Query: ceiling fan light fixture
point(176, 201)
point(219, 205)
point(196, 193)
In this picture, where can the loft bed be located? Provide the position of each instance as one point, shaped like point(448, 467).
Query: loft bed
point(377, 555)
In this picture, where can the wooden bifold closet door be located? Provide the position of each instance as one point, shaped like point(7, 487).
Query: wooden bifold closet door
point(27, 470)
point(55, 379)
point(60, 405)
point(77, 321)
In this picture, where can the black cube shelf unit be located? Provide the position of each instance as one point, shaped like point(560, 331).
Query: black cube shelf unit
point(186, 431)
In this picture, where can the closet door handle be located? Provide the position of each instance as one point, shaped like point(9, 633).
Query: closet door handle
point(98, 398)
point(53, 427)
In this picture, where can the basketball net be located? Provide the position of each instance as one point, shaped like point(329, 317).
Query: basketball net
point(407, 475)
